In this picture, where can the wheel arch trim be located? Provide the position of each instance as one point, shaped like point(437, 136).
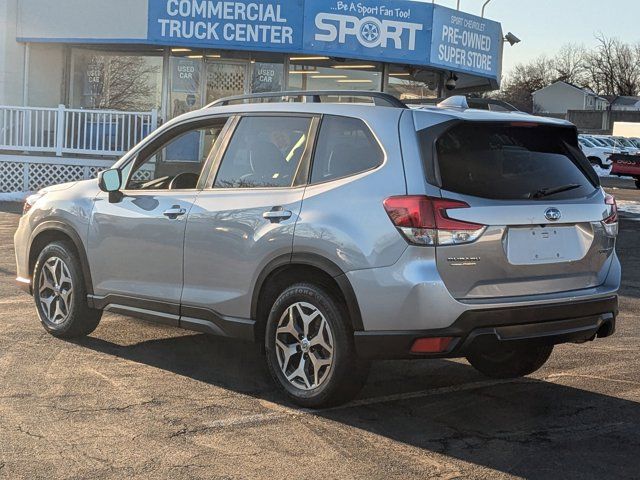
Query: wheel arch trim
point(321, 263)
point(69, 231)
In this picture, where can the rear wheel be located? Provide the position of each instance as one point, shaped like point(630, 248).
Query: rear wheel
point(60, 293)
point(310, 350)
point(505, 361)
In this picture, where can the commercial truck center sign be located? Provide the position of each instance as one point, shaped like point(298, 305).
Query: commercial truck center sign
point(394, 31)
point(219, 23)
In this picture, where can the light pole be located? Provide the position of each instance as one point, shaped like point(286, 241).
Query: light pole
point(484, 6)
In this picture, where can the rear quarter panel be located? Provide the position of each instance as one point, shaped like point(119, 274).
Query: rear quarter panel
point(344, 220)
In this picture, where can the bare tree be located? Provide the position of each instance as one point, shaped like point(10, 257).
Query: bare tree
point(525, 79)
point(569, 63)
point(122, 82)
point(613, 67)
point(610, 68)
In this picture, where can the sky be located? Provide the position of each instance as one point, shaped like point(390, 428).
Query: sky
point(545, 25)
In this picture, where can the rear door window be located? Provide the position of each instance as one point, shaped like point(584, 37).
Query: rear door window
point(506, 161)
point(346, 147)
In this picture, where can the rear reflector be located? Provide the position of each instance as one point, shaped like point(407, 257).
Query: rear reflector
point(425, 220)
point(431, 345)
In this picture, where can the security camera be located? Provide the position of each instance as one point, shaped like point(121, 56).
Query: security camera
point(511, 38)
point(450, 84)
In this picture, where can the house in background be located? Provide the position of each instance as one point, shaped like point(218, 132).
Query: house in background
point(624, 103)
point(561, 96)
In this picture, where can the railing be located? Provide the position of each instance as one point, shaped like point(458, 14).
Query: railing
point(67, 130)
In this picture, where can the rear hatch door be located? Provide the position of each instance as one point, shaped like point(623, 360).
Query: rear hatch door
point(540, 201)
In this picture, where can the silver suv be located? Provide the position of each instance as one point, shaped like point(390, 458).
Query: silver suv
point(336, 233)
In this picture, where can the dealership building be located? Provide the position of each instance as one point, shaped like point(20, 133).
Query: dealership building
point(86, 79)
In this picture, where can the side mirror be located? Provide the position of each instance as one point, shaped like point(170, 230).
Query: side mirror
point(110, 180)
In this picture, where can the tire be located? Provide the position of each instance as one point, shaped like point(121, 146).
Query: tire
point(58, 282)
point(510, 362)
point(637, 182)
point(331, 372)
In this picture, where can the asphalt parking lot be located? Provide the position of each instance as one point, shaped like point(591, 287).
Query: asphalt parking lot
point(138, 400)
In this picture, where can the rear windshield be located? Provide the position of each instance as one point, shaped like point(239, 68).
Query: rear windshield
point(506, 161)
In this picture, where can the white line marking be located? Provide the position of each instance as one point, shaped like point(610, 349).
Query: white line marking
point(281, 412)
point(593, 377)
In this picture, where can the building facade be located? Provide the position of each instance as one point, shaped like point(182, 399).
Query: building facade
point(177, 55)
point(93, 77)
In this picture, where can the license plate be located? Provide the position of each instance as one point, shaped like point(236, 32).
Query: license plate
point(540, 245)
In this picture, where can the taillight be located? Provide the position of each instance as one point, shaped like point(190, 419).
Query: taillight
point(611, 222)
point(425, 220)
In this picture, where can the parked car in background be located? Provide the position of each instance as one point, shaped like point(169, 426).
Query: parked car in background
point(626, 144)
point(597, 155)
point(337, 233)
point(610, 142)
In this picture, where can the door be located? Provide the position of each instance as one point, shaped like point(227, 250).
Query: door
point(528, 217)
point(226, 79)
point(247, 217)
point(136, 244)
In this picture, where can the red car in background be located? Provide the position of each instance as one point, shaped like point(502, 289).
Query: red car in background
point(626, 166)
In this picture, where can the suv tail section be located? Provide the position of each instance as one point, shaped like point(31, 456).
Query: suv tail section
point(520, 211)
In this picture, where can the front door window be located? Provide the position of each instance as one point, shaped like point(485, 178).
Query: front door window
point(177, 163)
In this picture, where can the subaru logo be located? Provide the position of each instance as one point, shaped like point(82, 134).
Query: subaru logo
point(553, 214)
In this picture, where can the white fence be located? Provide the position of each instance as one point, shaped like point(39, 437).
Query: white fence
point(66, 130)
point(29, 174)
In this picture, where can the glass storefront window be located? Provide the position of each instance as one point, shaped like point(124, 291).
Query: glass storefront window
point(185, 74)
point(323, 73)
point(267, 73)
point(407, 83)
point(198, 78)
point(116, 80)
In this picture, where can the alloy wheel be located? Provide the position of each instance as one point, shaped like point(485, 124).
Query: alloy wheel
point(304, 346)
point(55, 290)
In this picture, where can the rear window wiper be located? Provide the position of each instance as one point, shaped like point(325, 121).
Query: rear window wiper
point(546, 192)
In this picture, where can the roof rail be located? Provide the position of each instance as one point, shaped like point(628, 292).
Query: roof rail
point(380, 99)
point(463, 103)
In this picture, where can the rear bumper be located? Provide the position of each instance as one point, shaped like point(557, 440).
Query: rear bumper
point(549, 324)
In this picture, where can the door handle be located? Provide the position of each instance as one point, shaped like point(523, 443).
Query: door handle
point(277, 214)
point(175, 212)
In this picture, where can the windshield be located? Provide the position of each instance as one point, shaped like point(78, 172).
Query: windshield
point(625, 142)
point(508, 161)
point(597, 142)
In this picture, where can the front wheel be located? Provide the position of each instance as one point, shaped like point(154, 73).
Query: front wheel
point(60, 293)
point(515, 361)
point(310, 349)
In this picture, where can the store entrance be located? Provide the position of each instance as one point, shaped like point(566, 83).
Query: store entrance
point(226, 78)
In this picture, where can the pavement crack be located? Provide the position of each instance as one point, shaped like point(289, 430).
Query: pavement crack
point(122, 408)
point(27, 432)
